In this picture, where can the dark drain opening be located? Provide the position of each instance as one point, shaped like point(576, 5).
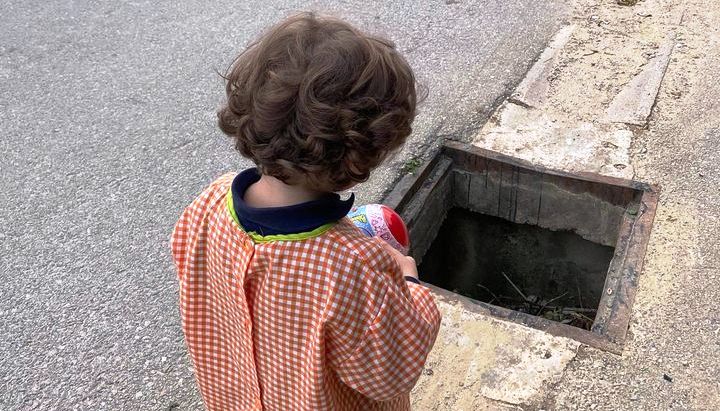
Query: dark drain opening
point(552, 250)
point(557, 275)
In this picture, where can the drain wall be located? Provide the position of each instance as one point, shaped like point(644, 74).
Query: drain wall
point(593, 211)
point(533, 198)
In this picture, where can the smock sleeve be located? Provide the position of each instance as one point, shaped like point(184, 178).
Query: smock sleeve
point(383, 329)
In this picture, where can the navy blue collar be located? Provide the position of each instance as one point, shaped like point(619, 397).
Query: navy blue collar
point(298, 218)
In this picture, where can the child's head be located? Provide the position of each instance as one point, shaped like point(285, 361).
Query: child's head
point(317, 102)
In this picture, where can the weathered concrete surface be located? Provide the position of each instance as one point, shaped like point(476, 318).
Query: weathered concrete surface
point(560, 117)
point(675, 326)
point(551, 139)
point(532, 91)
point(635, 102)
point(671, 358)
point(482, 363)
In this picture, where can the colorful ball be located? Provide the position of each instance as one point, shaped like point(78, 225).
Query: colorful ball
point(382, 221)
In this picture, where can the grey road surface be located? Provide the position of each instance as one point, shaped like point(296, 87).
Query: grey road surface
point(107, 130)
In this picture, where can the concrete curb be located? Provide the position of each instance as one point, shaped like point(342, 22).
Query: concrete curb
point(634, 103)
point(532, 91)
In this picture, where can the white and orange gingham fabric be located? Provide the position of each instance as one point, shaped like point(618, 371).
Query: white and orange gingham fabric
point(324, 323)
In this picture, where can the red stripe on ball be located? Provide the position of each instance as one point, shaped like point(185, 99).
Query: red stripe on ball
point(396, 225)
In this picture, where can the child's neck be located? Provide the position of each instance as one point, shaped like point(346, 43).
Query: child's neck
point(271, 192)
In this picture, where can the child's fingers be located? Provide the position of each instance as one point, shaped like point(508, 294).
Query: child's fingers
point(406, 263)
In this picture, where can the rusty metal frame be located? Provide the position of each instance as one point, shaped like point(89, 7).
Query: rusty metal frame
point(610, 328)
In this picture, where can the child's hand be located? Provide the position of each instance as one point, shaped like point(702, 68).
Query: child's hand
point(406, 263)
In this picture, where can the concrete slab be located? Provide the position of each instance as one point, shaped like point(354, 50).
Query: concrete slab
point(532, 91)
point(547, 139)
point(480, 362)
point(634, 103)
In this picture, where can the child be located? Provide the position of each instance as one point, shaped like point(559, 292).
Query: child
point(285, 304)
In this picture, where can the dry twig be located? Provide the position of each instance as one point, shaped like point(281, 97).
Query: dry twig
point(495, 297)
point(549, 301)
point(515, 287)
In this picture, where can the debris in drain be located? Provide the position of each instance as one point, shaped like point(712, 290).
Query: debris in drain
point(539, 307)
point(575, 316)
point(556, 275)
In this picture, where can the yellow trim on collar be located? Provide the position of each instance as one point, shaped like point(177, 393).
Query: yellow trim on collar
point(273, 237)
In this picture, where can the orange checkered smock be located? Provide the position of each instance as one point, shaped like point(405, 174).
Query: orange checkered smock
point(324, 322)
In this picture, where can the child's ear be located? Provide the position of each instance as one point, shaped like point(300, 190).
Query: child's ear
point(344, 194)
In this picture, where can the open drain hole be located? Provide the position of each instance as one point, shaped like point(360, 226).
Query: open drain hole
point(548, 249)
point(557, 275)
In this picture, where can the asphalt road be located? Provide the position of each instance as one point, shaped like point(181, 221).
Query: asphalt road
point(107, 130)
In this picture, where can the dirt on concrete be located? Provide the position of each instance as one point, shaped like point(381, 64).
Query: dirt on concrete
point(672, 356)
point(476, 363)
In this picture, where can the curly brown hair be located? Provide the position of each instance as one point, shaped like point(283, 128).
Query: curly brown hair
point(317, 102)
